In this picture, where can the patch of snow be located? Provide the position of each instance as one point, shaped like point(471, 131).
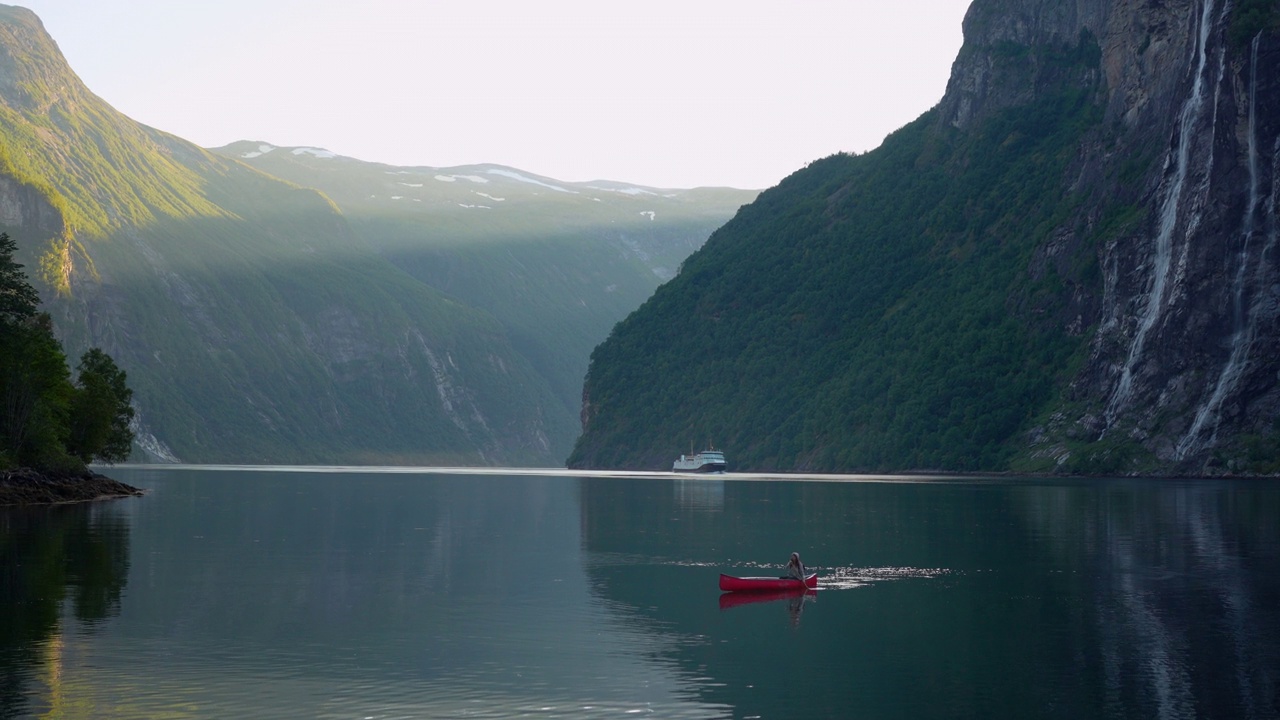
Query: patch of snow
point(531, 181)
point(650, 213)
point(628, 191)
point(318, 152)
point(410, 184)
point(262, 150)
point(596, 200)
point(454, 178)
point(487, 195)
point(481, 207)
point(397, 197)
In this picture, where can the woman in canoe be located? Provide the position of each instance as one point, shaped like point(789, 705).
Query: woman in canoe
point(795, 568)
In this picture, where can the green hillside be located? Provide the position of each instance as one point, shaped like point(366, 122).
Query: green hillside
point(254, 325)
point(872, 312)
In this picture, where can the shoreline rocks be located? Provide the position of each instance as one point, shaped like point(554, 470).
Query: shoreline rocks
point(24, 486)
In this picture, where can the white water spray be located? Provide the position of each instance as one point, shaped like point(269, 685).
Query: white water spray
point(1244, 324)
point(1162, 264)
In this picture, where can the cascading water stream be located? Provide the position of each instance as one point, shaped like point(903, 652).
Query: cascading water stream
point(1162, 264)
point(1244, 323)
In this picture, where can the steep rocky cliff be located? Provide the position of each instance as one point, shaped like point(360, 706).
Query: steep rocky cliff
point(1183, 354)
point(1124, 319)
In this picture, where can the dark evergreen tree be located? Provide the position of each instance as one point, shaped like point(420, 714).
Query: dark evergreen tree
point(35, 389)
point(100, 410)
point(18, 300)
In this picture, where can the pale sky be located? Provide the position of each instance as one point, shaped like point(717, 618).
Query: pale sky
point(667, 93)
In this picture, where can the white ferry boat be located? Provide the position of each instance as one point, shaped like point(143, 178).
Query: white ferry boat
point(706, 461)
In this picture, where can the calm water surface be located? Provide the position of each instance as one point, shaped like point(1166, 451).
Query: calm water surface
point(367, 594)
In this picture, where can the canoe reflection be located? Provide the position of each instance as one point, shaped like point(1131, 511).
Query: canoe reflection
point(795, 598)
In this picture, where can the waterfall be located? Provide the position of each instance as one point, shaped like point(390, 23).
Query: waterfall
point(1162, 264)
point(1244, 323)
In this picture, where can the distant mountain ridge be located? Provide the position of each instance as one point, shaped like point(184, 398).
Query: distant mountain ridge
point(372, 190)
point(557, 263)
point(1068, 265)
point(256, 320)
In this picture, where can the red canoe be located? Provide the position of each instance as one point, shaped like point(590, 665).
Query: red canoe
point(749, 584)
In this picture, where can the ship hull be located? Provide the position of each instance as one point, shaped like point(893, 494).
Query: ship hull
point(703, 468)
point(707, 461)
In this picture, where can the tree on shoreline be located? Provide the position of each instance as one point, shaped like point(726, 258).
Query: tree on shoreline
point(47, 421)
point(100, 410)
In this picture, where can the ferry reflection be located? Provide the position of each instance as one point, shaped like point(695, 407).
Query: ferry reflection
point(705, 494)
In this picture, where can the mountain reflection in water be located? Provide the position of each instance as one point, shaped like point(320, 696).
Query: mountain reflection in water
point(964, 597)
point(64, 568)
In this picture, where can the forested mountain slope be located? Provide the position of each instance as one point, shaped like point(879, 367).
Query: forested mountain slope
point(1068, 265)
point(254, 323)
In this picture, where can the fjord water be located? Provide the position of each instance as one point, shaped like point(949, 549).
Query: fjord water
point(418, 594)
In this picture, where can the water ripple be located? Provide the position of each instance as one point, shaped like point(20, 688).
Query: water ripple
point(848, 578)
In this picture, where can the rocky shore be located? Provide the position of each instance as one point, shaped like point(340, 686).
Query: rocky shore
point(29, 487)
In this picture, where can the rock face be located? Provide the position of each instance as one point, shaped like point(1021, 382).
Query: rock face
point(21, 205)
point(1183, 353)
point(1183, 357)
point(27, 487)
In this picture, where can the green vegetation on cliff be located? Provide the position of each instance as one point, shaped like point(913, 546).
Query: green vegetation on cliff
point(875, 312)
point(102, 169)
point(1253, 16)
